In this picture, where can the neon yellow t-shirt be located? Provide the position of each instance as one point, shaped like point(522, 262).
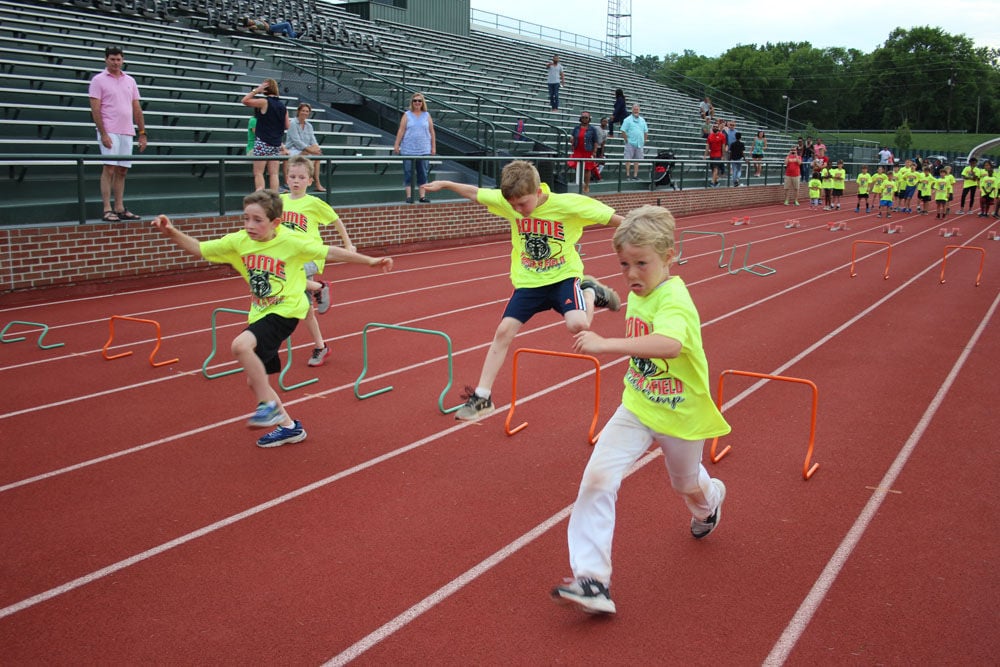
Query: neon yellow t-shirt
point(988, 184)
point(306, 214)
point(671, 396)
point(864, 181)
point(838, 176)
point(878, 182)
point(951, 181)
point(827, 178)
point(888, 188)
point(941, 189)
point(911, 178)
point(814, 187)
point(970, 177)
point(273, 269)
point(925, 185)
point(543, 244)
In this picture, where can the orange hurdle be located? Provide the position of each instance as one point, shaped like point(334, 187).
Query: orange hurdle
point(152, 355)
point(982, 260)
point(888, 257)
point(807, 469)
point(592, 439)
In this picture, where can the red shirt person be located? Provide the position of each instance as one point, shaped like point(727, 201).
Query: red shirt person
point(715, 145)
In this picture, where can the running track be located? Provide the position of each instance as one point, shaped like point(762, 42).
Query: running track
point(141, 525)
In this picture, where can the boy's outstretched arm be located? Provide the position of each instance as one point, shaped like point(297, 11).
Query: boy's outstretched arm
point(338, 254)
point(650, 346)
point(470, 192)
point(186, 243)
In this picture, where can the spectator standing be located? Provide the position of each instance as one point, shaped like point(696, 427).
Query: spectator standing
point(885, 156)
point(635, 132)
point(970, 181)
point(757, 152)
point(416, 137)
point(302, 140)
point(806, 153)
point(620, 111)
point(556, 78)
point(793, 175)
point(715, 147)
point(115, 108)
point(602, 137)
point(584, 142)
point(737, 153)
point(272, 121)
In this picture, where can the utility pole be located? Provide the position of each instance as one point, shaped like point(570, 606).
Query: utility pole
point(619, 32)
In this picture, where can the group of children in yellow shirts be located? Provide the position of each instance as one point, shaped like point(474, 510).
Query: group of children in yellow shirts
point(895, 189)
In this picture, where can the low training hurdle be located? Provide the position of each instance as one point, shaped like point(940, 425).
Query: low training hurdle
point(364, 369)
point(982, 259)
point(792, 224)
point(215, 347)
point(892, 229)
point(948, 233)
point(993, 236)
point(738, 221)
point(591, 438)
point(152, 355)
point(688, 232)
point(807, 469)
point(41, 336)
point(755, 269)
point(888, 257)
point(837, 226)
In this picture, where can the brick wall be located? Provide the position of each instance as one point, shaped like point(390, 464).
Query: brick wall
point(35, 258)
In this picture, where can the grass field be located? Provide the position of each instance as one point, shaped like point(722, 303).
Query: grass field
point(929, 142)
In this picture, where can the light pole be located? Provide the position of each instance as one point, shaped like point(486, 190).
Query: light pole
point(789, 106)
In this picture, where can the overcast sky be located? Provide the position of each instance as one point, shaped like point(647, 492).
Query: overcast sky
point(660, 27)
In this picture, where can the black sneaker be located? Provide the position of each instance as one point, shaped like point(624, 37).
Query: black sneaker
point(589, 594)
point(604, 296)
point(475, 406)
point(701, 528)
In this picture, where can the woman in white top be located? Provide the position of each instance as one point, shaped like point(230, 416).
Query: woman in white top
point(302, 139)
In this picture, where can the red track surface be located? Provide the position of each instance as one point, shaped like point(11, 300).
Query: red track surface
point(141, 525)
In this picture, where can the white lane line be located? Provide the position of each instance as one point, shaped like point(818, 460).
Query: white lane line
point(793, 631)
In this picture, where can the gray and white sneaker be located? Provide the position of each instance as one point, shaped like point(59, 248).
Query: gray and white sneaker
point(604, 296)
point(475, 406)
point(701, 528)
point(589, 595)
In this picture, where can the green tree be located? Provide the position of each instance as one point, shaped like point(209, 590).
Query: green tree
point(904, 138)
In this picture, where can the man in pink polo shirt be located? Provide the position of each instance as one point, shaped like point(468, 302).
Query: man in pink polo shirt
point(114, 105)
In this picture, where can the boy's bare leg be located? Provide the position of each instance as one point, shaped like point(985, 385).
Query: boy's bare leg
point(243, 351)
point(497, 353)
point(312, 325)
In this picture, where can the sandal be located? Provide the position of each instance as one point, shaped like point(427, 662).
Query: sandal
point(127, 215)
point(110, 216)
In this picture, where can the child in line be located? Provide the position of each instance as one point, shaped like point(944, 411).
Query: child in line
point(864, 180)
point(827, 178)
point(925, 190)
point(545, 267)
point(270, 258)
point(667, 401)
point(815, 189)
point(888, 189)
point(989, 183)
point(941, 188)
point(878, 184)
point(970, 181)
point(837, 175)
point(910, 181)
point(305, 213)
point(900, 178)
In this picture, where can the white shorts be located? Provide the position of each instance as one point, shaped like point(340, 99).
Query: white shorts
point(121, 144)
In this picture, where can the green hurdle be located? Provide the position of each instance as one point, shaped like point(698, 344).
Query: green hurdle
point(689, 232)
point(364, 369)
point(41, 336)
point(215, 347)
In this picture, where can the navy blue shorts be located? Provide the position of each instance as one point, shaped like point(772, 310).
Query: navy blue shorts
point(561, 297)
point(270, 332)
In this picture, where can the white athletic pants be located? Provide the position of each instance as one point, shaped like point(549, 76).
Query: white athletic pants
point(623, 441)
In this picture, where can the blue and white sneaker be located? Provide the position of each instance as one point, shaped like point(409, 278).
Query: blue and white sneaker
point(265, 415)
point(283, 435)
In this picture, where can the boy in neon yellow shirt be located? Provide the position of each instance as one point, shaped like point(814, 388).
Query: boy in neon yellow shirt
point(885, 202)
point(925, 189)
point(545, 267)
point(667, 401)
point(305, 213)
point(815, 190)
point(864, 180)
point(909, 185)
point(827, 176)
point(878, 182)
point(989, 184)
point(837, 176)
point(270, 258)
point(941, 190)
